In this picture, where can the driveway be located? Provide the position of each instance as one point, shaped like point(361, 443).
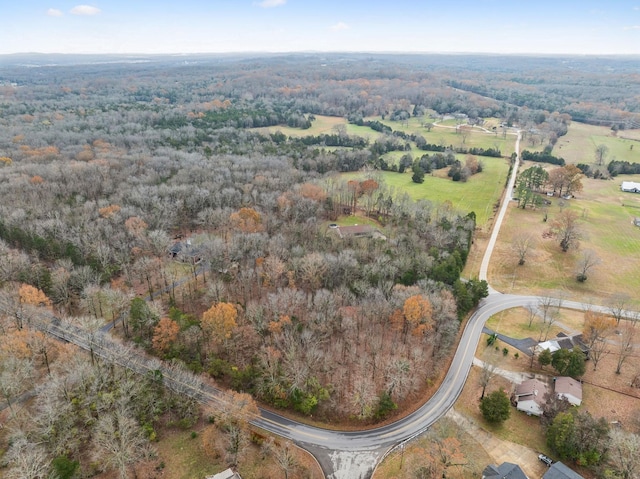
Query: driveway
point(500, 450)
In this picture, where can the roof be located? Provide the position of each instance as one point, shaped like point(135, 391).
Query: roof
point(506, 470)
point(630, 186)
point(356, 230)
point(563, 341)
point(568, 386)
point(560, 471)
point(227, 474)
point(531, 389)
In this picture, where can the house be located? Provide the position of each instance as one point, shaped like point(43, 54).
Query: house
point(357, 231)
point(185, 252)
point(564, 341)
point(569, 389)
point(506, 470)
point(560, 471)
point(630, 187)
point(228, 474)
point(529, 396)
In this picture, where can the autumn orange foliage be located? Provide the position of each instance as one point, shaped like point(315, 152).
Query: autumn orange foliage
point(109, 211)
point(165, 334)
point(219, 321)
point(247, 220)
point(31, 295)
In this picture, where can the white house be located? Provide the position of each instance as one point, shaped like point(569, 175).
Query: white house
point(630, 187)
point(529, 396)
point(569, 389)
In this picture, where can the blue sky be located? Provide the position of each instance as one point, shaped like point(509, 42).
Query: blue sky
point(195, 26)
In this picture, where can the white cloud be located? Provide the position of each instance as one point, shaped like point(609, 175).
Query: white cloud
point(339, 27)
point(633, 27)
point(86, 10)
point(53, 12)
point(271, 3)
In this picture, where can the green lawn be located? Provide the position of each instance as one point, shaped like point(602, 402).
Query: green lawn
point(441, 134)
point(479, 194)
point(606, 221)
point(322, 124)
point(580, 142)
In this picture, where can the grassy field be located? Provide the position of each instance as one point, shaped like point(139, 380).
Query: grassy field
point(579, 144)
point(480, 193)
point(606, 220)
point(322, 124)
point(444, 133)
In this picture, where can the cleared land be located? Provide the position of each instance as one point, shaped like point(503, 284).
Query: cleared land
point(321, 125)
point(479, 194)
point(580, 142)
point(606, 220)
point(445, 133)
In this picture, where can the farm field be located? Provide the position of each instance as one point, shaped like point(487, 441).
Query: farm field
point(606, 220)
point(580, 142)
point(479, 194)
point(444, 133)
point(321, 125)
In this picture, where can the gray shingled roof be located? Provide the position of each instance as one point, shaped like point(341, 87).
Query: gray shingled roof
point(560, 471)
point(506, 470)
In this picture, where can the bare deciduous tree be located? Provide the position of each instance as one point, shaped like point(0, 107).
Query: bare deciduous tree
point(601, 154)
point(487, 373)
point(566, 229)
point(617, 304)
point(587, 260)
point(624, 453)
point(522, 243)
point(625, 345)
point(119, 441)
point(26, 460)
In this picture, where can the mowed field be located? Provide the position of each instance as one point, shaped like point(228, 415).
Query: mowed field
point(606, 221)
point(444, 133)
point(580, 142)
point(321, 125)
point(479, 194)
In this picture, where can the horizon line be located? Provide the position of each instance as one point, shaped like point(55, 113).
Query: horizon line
point(325, 52)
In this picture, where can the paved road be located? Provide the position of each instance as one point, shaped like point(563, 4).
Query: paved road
point(354, 454)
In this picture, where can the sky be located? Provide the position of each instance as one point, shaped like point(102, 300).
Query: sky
point(217, 26)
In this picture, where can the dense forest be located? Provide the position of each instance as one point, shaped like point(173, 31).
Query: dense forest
point(139, 190)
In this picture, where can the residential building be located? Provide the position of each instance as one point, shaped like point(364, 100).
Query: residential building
point(529, 396)
point(506, 470)
point(560, 471)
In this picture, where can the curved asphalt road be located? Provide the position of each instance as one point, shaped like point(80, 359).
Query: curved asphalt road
point(354, 454)
point(369, 445)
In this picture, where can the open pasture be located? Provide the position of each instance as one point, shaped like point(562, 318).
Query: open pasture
point(479, 194)
point(445, 133)
point(580, 143)
point(606, 220)
point(321, 125)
